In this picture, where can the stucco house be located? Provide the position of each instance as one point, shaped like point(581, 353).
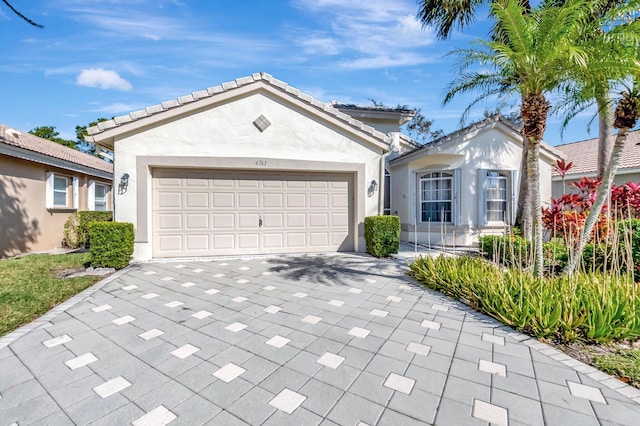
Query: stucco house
point(584, 156)
point(41, 184)
point(464, 184)
point(256, 166)
point(250, 166)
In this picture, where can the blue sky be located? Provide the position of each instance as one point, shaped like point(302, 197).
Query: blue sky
point(110, 57)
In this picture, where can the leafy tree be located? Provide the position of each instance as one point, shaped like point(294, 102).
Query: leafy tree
point(50, 133)
point(81, 132)
point(530, 57)
point(419, 127)
point(24, 18)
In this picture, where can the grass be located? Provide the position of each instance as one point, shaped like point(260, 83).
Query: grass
point(30, 286)
point(624, 364)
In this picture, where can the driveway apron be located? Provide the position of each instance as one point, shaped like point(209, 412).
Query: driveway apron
point(341, 339)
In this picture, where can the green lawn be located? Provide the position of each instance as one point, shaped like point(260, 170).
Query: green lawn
point(624, 364)
point(29, 286)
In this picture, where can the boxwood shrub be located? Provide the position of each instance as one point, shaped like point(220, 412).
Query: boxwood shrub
point(382, 235)
point(111, 244)
point(76, 228)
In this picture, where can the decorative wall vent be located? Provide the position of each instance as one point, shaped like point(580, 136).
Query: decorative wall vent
point(261, 123)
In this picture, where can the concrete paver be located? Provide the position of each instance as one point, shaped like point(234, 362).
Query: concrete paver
point(326, 339)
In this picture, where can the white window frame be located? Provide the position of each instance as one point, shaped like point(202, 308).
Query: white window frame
point(420, 201)
point(91, 195)
point(50, 191)
point(510, 196)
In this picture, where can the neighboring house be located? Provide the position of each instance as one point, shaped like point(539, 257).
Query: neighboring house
point(464, 184)
point(584, 156)
point(41, 184)
point(247, 167)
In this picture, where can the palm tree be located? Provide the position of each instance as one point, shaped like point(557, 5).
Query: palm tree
point(444, 16)
point(530, 56)
point(24, 18)
point(617, 54)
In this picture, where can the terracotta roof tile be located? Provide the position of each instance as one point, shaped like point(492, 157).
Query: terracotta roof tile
point(584, 154)
point(229, 86)
point(39, 145)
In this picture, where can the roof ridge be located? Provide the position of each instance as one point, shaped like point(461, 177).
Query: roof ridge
point(226, 87)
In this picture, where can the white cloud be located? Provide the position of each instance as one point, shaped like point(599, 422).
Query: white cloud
point(117, 108)
point(104, 79)
point(369, 34)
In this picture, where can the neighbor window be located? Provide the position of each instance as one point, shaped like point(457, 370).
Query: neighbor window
point(100, 194)
point(61, 191)
point(436, 197)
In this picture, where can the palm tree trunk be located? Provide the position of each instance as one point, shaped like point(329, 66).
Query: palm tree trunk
point(533, 175)
point(605, 134)
point(602, 194)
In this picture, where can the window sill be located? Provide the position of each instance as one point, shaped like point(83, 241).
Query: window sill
point(61, 210)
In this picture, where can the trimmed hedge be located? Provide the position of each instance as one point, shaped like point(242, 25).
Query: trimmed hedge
point(382, 235)
point(76, 228)
point(111, 244)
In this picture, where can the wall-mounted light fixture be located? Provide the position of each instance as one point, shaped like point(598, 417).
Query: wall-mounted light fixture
point(373, 187)
point(124, 182)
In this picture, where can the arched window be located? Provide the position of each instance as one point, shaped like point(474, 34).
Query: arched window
point(436, 197)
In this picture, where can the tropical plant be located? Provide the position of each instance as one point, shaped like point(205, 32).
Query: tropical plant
point(531, 56)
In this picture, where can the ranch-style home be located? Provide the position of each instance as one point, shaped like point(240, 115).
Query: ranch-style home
point(255, 166)
point(41, 184)
point(584, 156)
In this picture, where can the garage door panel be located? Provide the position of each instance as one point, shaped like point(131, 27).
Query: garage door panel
point(213, 212)
point(318, 239)
point(296, 239)
point(272, 241)
point(248, 220)
point(224, 242)
point(250, 200)
point(223, 200)
point(196, 221)
point(223, 220)
point(169, 221)
point(319, 201)
point(170, 243)
point(196, 200)
point(273, 200)
point(318, 220)
point(249, 241)
point(273, 220)
point(339, 220)
point(296, 220)
point(197, 242)
point(169, 200)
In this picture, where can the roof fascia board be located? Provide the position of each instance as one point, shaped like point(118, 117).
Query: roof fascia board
point(593, 173)
point(36, 157)
point(107, 137)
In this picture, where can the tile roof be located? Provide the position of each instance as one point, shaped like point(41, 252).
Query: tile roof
point(201, 95)
point(46, 147)
point(584, 154)
point(454, 136)
point(340, 105)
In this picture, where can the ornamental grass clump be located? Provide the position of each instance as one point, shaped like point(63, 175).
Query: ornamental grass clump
point(579, 307)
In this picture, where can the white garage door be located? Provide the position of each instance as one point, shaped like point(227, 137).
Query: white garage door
point(209, 213)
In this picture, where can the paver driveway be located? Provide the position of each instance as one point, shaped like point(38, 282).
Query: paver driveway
point(332, 339)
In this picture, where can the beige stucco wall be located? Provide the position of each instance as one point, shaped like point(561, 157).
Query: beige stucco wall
point(488, 148)
point(622, 177)
point(227, 131)
point(26, 225)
